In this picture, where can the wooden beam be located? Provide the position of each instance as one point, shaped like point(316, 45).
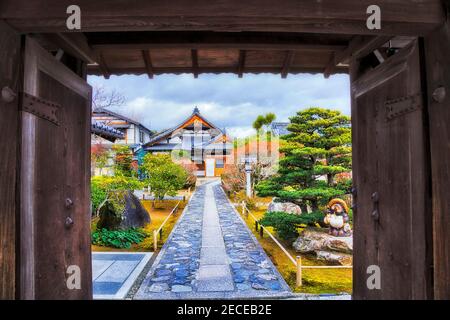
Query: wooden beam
point(399, 17)
point(194, 57)
point(241, 63)
point(216, 40)
point(74, 44)
point(148, 62)
point(358, 47)
point(288, 59)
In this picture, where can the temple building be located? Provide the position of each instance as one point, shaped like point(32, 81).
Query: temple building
point(129, 132)
point(196, 143)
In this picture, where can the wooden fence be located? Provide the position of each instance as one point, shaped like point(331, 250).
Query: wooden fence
point(160, 229)
point(297, 261)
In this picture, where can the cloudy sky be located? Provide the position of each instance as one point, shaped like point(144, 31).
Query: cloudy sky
point(226, 100)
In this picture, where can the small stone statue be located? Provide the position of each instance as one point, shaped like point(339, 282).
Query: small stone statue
point(337, 218)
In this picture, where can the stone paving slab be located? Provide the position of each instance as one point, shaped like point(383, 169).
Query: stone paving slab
point(211, 254)
point(215, 278)
point(113, 273)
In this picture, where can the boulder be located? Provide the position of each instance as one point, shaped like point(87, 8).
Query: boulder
point(126, 212)
point(335, 258)
point(319, 240)
point(288, 207)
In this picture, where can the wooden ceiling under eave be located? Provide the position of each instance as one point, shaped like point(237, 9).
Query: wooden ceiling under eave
point(155, 53)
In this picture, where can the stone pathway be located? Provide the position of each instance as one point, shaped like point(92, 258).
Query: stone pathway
point(212, 254)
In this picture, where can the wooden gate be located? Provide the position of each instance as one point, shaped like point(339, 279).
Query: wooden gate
point(55, 173)
point(392, 180)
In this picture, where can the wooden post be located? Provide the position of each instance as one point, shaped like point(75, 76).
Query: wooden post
point(299, 272)
point(155, 241)
point(243, 207)
point(9, 162)
point(261, 231)
point(256, 225)
point(160, 234)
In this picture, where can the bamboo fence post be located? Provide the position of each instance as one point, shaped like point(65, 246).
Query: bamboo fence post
point(256, 225)
point(261, 230)
point(160, 233)
point(155, 240)
point(299, 272)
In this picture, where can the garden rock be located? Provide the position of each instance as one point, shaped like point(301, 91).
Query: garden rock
point(287, 207)
point(133, 214)
point(334, 258)
point(317, 240)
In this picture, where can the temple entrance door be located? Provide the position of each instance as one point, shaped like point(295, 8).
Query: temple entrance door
point(55, 250)
point(210, 164)
point(393, 213)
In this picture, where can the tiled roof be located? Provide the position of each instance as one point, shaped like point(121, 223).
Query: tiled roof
point(105, 131)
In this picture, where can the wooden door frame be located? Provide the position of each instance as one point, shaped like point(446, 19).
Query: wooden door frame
point(36, 60)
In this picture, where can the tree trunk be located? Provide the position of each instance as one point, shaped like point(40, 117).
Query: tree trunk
point(314, 205)
point(304, 207)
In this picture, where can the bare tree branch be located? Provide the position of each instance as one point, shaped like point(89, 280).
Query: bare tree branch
point(102, 98)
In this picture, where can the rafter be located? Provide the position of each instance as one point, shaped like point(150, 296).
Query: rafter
point(103, 66)
point(288, 60)
point(194, 57)
point(148, 62)
point(241, 63)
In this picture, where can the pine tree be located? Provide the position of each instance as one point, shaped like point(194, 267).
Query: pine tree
point(316, 150)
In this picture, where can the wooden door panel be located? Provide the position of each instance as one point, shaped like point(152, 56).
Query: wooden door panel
point(392, 178)
point(58, 189)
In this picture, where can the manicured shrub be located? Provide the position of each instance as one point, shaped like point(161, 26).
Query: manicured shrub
point(122, 239)
point(104, 188)
point(164, 176)
point(286, 225)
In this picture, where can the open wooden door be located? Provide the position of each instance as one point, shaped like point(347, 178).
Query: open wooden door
point(393, 214)
point(55, 175)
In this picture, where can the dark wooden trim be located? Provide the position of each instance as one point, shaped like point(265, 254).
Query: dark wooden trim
point(194, 57)
point(400, 17)
point(148, 62)
point(288, 59)
point(94, 70)
point(241, 63)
